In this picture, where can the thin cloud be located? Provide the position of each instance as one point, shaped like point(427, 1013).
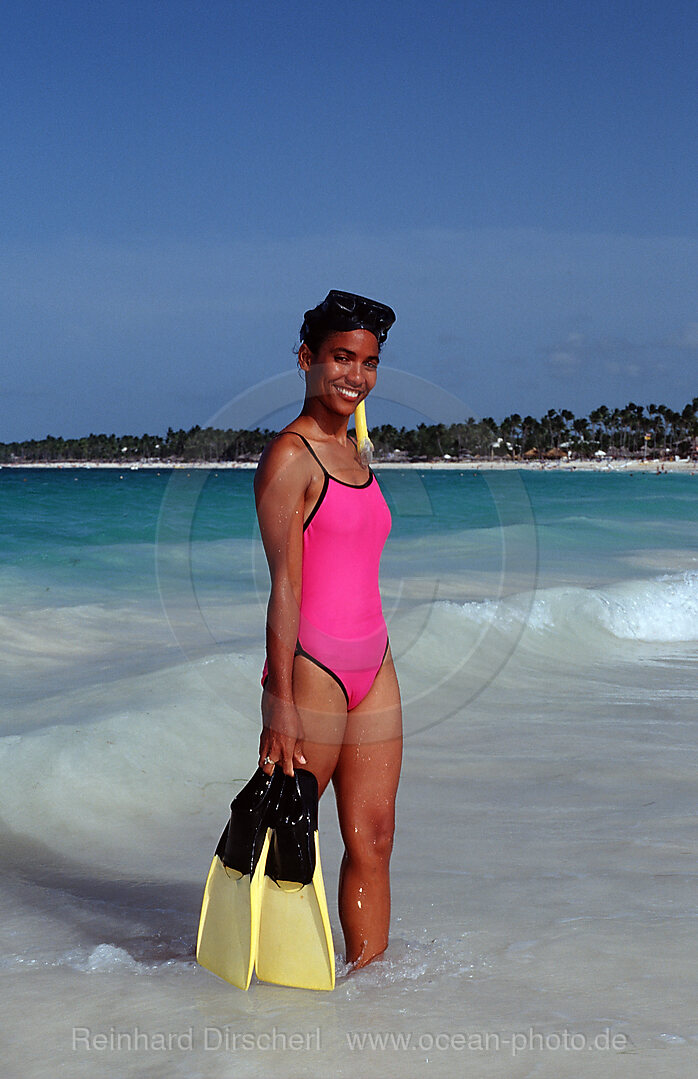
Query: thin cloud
point(564, 360)
point(688, 336)
point(114, 331)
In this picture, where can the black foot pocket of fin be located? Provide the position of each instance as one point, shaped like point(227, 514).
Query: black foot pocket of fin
point(252, 811)
point(291, 854)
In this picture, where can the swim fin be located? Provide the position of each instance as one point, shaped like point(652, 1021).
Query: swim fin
point(264, 903)
point(295, 940)
point(229, 923)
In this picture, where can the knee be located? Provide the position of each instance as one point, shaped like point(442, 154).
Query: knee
point(372, 841)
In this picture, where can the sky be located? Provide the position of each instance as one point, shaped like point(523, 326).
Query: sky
point(179, 181)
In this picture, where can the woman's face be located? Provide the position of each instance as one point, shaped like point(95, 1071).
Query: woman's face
point(344, 370)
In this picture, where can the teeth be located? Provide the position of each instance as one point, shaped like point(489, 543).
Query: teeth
point(350, 394)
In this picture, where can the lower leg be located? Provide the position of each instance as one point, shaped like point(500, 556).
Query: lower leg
point(364, 907)
point(365, 781)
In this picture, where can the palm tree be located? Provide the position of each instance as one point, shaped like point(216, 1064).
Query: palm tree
point(581, 428)
point(510, 427)
point(601, 417)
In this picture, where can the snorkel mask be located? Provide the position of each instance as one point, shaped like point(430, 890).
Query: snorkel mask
point(341, 312)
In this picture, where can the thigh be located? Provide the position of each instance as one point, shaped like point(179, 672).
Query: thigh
point(378, 717)
point(322, 708)
point(367, 772)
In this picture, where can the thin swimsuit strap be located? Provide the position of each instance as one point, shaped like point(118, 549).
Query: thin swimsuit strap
point(356, 486)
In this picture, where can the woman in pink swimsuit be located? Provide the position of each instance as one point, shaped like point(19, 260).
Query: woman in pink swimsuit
point(331, 700)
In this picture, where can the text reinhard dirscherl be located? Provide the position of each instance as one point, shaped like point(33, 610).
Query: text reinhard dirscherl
point(210, 1039)
point(225, 1039)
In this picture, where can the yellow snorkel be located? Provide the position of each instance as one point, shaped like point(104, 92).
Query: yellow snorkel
point(362, 440)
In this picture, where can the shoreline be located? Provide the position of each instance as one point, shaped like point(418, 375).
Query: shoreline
point(683, 465)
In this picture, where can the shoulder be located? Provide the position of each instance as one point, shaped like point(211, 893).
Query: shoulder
point(285, 456)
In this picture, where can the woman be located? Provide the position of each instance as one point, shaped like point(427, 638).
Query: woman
point(331, 700)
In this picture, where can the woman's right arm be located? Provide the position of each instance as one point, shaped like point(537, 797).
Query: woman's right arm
point(280, 486)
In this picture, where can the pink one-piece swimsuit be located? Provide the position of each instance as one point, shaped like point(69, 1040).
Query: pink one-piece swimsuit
point(341, 625)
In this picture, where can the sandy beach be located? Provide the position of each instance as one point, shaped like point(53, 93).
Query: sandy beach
point(682, 465)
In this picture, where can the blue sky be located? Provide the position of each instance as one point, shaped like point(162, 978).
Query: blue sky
point(181, 180)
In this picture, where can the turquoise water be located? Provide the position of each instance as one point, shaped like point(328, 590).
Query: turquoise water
point(80, 518)
point(151, 565)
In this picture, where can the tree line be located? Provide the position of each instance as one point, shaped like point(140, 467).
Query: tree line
point(634, 431)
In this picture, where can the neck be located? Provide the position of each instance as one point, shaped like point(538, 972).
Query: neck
point(329, 424)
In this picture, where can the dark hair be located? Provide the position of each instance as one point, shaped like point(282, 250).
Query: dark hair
point(342, 312)
point(318, 334)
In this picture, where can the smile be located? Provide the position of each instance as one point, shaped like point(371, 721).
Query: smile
point(350, 395)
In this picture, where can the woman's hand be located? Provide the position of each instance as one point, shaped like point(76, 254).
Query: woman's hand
point(281, 741)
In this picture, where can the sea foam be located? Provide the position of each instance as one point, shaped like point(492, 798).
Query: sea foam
point(663, 609)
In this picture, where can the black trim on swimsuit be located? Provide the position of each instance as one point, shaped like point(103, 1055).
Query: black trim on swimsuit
point(356, 486)
point(300, 651)
point(317, 505)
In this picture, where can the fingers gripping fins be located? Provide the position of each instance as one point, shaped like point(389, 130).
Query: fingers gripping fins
point(264, 902)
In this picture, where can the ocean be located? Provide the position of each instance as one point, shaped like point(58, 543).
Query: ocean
point(544, 627)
